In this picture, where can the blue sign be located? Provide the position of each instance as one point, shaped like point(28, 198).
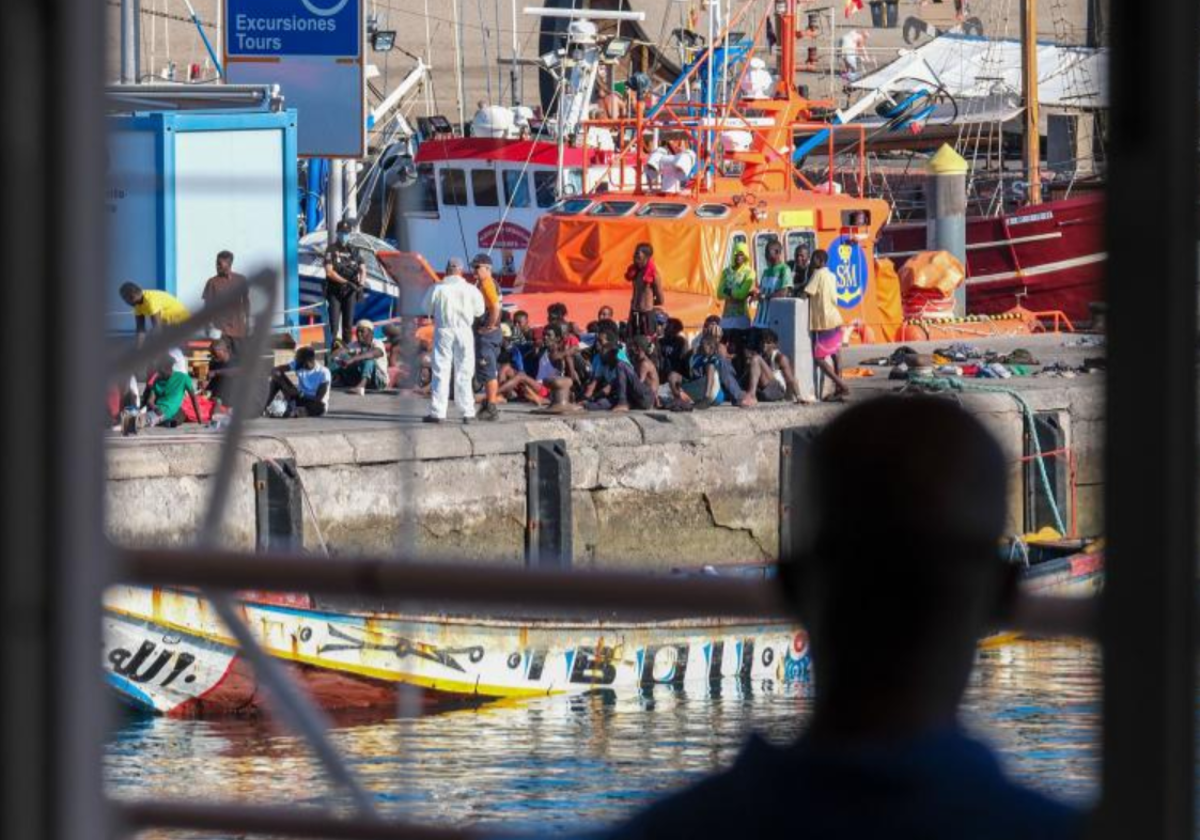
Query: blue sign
point(848, 262)
point(293, 27)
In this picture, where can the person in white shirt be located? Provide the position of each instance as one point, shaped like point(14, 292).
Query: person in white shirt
point(854, 51)
point(453, 304)
point(757, 82)
point(669, 168)
point(309, 396)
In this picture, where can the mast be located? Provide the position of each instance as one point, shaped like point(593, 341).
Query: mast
point(131, 12)
point(1031, 149)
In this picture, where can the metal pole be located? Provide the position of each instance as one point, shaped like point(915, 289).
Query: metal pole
point(458, 65)
point(54, 712)
point(1148, 619)
point(1031, 144)
point(513, 73)
point(131, 11)
point(334, 194)
point(946, 212)
point(350, 178)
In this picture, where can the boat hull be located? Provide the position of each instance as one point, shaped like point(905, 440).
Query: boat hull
point(347, 661)
point(1046, 258)
point(166, 652)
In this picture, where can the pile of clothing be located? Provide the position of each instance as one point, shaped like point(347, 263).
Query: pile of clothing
point(958, 359)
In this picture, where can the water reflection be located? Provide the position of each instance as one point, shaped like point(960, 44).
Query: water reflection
point(553, 763)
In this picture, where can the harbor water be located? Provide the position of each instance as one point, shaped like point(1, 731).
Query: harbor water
point(560, 763)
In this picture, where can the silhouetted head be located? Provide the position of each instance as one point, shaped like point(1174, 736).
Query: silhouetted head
point(819, 259)
point(224, 263)
point(897, 572)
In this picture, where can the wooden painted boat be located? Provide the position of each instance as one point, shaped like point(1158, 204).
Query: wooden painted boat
point(166, 652)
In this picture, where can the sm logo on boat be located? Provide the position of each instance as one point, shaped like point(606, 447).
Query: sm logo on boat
point(848, 262)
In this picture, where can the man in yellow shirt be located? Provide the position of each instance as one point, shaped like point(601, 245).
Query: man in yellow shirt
point(159, 307)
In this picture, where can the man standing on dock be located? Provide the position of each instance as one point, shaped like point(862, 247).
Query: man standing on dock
point(234, 325)
point(345, 279)
point(454, 305)
point(488, 335)
point(647, 297)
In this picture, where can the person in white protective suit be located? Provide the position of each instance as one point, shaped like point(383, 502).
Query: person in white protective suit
point(454, 304)
point(758, 81)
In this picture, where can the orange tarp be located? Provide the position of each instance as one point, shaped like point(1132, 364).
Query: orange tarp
point(932, 270)
point(588, 254)
point(888, 315)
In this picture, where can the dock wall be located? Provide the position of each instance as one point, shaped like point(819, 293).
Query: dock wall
point(650, 490)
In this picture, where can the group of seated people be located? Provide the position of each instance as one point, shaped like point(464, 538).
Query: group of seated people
point(603, 367)
point(607, 367)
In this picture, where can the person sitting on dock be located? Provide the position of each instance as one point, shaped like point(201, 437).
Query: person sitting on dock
point(756, 376)
point(165, 393)
point(515, 385)
point(617, 387)
point(642, 357)
point(672, 350)
point(309, 395)
point(362, 364)
point(710, 380)
point(884, 753)
point(221, 370)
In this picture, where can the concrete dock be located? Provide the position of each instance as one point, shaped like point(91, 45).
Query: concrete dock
point(651, 490)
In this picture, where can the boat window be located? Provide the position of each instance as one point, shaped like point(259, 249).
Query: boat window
point(572, 181)
point(454, 187)
point(712, 211)
point(571, 206)
point(761, 241)
point(516, 188)
point(662, 210)
point(613, 208)
point(856, 218)
point(483, 187)
point(424, 195)
point(545, 186)
point(796, 238)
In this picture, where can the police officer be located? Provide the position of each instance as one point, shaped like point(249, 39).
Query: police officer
point(345, 279)
point(488, 335)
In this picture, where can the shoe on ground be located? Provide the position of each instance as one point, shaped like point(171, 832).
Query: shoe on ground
point(467, 421)
point(360, 391)
point(489, 412)
point(429, 418)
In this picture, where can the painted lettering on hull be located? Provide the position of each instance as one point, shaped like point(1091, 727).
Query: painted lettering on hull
point(591, 665)
point(143, 666)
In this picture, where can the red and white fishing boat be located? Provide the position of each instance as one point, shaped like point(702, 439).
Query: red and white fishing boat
point(1045, 257)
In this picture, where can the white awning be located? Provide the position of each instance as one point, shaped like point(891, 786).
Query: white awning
point(978, 68)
